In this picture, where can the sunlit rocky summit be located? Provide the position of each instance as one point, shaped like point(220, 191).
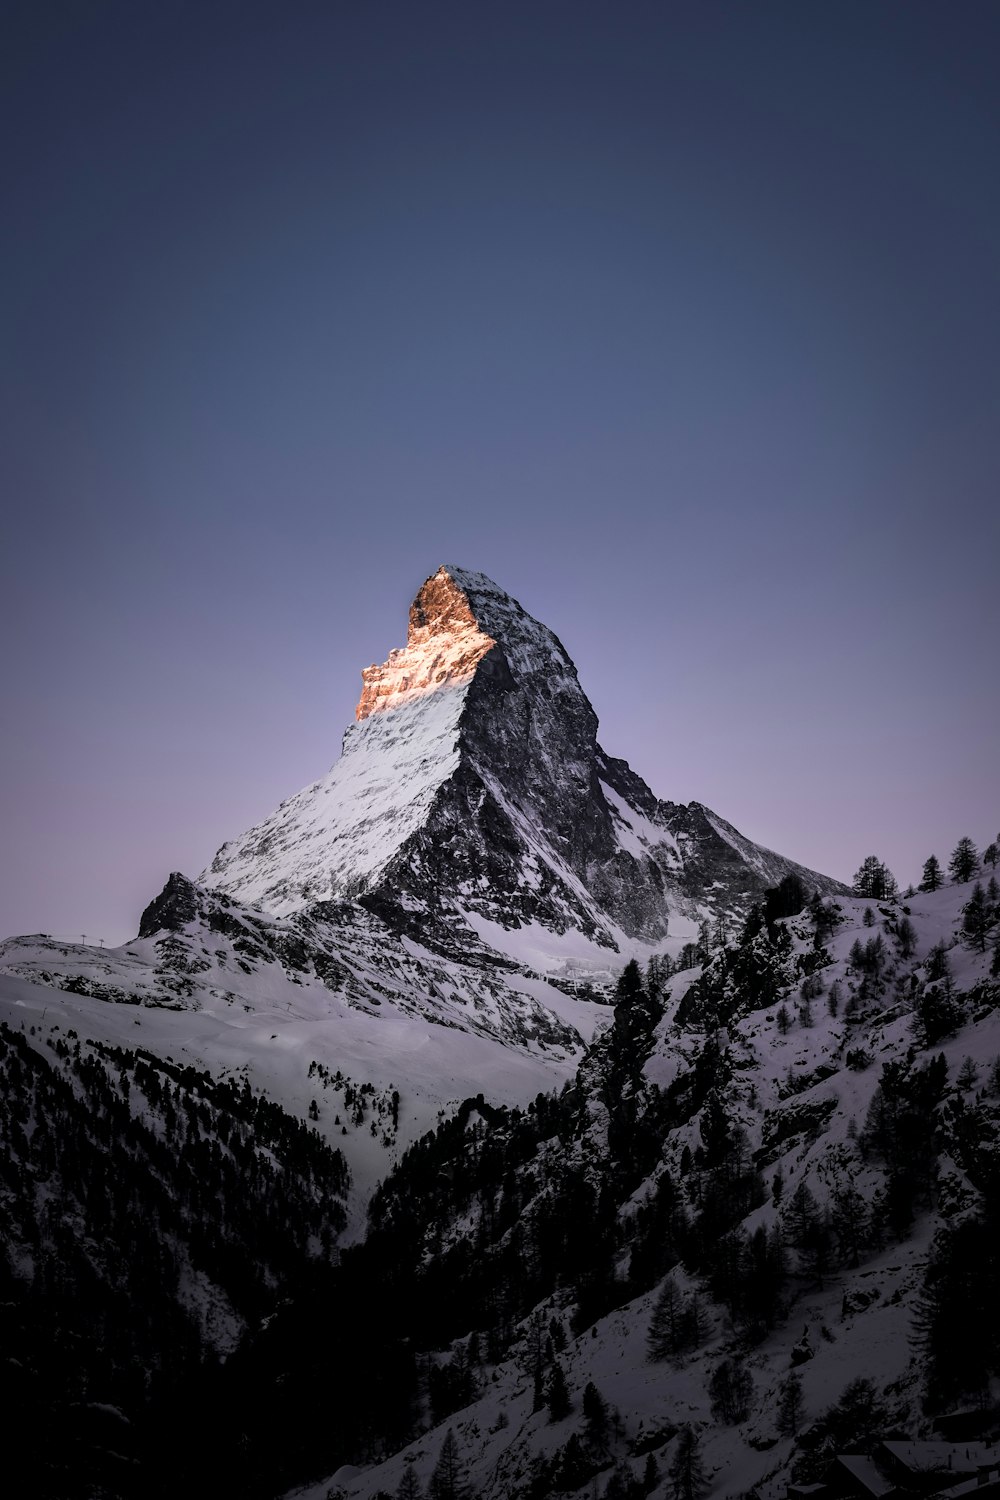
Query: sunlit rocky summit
point(472, 793)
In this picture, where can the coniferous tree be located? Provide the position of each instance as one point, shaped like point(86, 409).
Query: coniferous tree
point(409, 1485)
point(666, 1323)
point(938, 963)
point(964, 861)
point(906, 937)
point(595, 1412)
point(687, 1468)
point(791, 1406)
point(730, 1389)
point(977, 917)
point(938, 1013)
point(968, 1075)
point(858, 1415)
point(991, 854)
point(557, 1395)
point(875, 880)
point(448, 1479)
point(932, 879)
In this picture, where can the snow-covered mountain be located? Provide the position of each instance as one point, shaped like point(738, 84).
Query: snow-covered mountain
point(450, 902)
point(472, 792)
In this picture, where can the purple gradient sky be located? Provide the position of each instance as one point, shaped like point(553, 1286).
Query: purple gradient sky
point(682, 322)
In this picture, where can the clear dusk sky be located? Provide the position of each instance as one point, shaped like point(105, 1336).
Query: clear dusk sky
point(682, 321)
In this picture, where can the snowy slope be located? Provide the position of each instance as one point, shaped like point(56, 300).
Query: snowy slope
point(857, 1320)
point(234, 990)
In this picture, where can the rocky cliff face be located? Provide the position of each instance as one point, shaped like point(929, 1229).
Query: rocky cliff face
point(472, 792)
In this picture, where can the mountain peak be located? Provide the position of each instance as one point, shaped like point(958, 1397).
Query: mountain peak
point(472, 795)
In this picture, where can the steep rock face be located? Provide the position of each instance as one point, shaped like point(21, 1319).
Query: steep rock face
point(472, 792)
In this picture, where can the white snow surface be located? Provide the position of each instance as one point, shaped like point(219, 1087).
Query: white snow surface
point(434, 1067)
point(335, 836)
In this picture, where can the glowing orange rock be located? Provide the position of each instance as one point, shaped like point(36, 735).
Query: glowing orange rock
point(443, 648)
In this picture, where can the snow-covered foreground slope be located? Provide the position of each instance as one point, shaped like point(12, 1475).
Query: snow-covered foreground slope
point(804, 1086)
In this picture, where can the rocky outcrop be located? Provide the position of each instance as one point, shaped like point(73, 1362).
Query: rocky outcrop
point(443, 648)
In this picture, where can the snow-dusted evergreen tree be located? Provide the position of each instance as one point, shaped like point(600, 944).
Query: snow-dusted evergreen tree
point(932, 879)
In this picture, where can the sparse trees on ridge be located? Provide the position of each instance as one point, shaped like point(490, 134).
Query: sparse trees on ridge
point(932, 879)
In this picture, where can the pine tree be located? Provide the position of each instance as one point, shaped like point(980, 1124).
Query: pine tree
point(932, 879)
point(869, 917)
point(595, 1412)
point(964, 861)
point(557, 1395)
point(687, 1469)
point(651, 1474)
point(968, 1075)
point(906, 937)
point(790, 1406)
point(448, 1478)
point(409, 1485)
point(938, 963)
point(875, 880)
point(977, 917)
point(991, 854)
point(666, 1323)
point(859, 1414)
point(730, 1389)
